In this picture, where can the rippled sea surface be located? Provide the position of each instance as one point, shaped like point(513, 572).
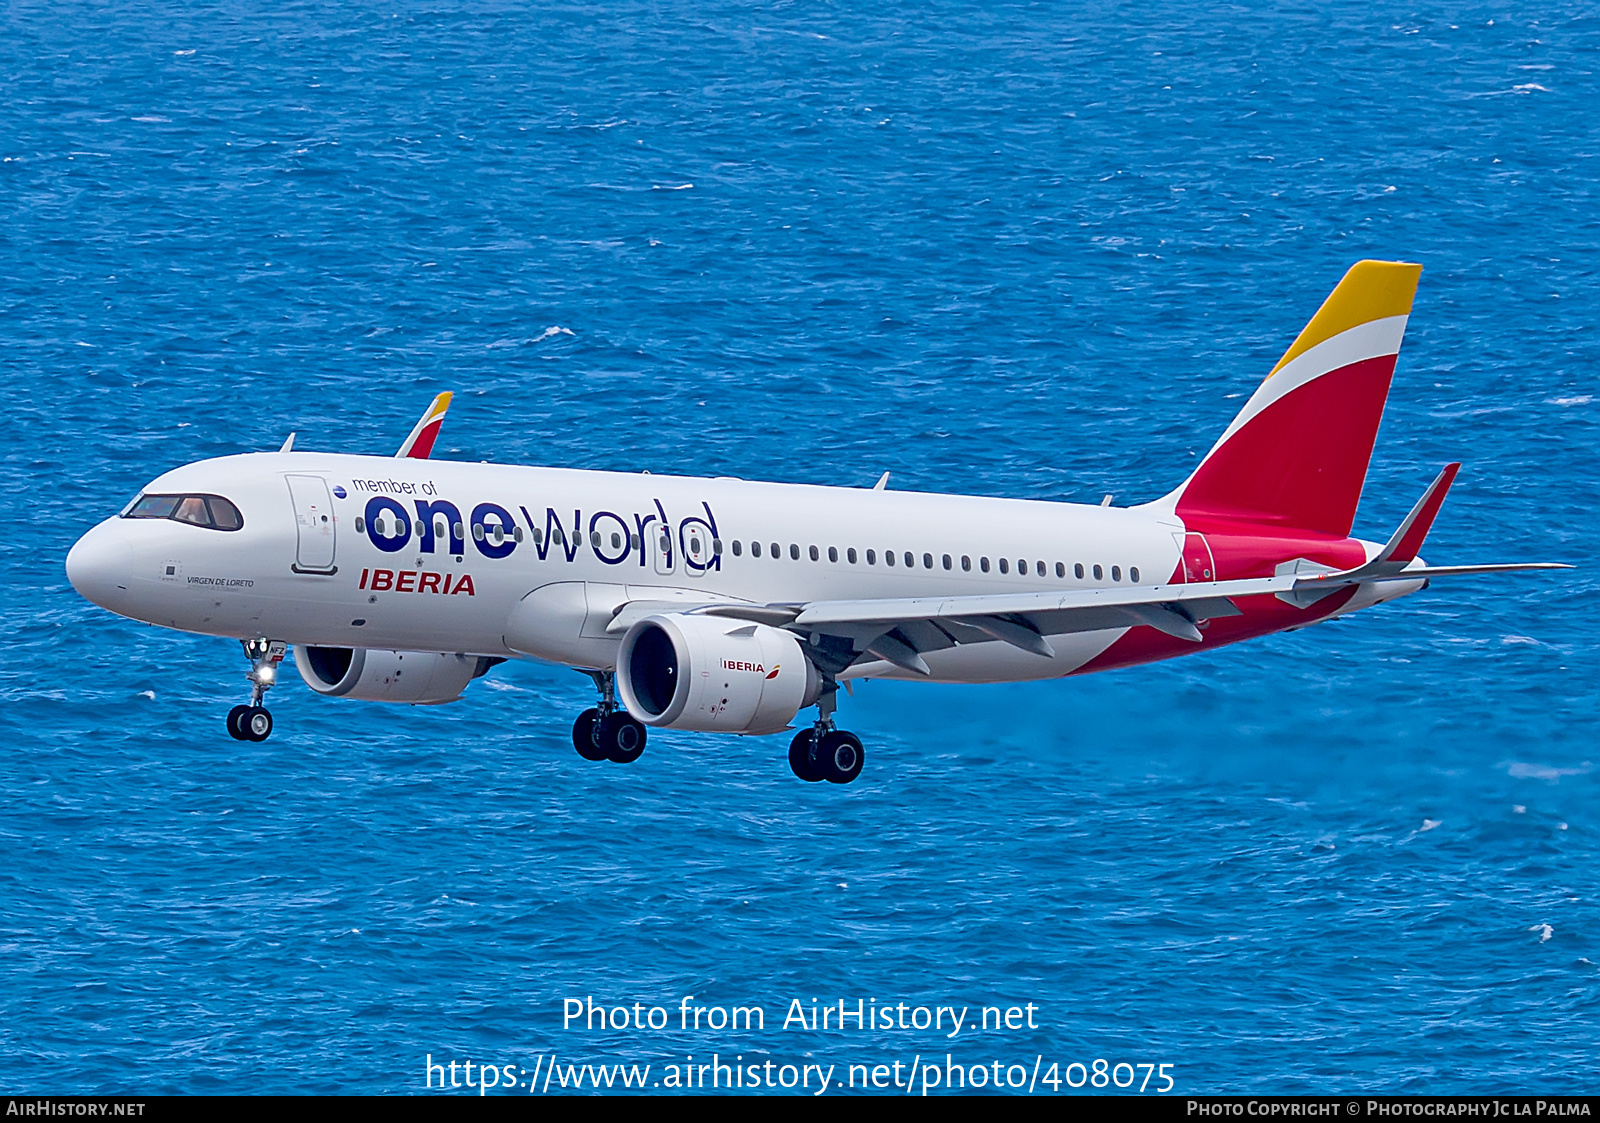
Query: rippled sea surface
point(1035, 251)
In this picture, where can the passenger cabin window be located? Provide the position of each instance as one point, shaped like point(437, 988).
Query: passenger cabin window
point(966, 563)
point(850, 555)
point(755, 549)
point(872, 557)
point(1061, 569)
point(983, 564)
point(833, 553)
point(737, 549)
point(1133, 574)
point(1005, 566)
point(1077, 571)
point(1099, 574)
point(1116, 573)
point(210, 511)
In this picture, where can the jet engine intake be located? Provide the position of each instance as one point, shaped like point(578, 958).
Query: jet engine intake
point(714, 674)
point(422, 678)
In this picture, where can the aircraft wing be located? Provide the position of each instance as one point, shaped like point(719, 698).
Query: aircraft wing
point(899, 630)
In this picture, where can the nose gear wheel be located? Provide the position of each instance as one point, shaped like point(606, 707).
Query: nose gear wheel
point(253, 722)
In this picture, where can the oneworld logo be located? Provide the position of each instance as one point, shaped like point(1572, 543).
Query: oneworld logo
point(432, 526)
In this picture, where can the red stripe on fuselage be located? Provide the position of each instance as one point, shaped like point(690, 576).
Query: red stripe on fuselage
point(1262, 615)
point(1239, 551)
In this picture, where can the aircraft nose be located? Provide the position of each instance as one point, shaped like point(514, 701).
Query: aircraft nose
point(100, 566)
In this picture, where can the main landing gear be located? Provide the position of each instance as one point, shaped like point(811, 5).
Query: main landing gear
point(253, 722)
point(606, 732)
point(823, 752)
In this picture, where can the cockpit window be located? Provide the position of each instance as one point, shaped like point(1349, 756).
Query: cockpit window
point(211, 511)
point(152, 507)
point(192, 509)
point(224, 515)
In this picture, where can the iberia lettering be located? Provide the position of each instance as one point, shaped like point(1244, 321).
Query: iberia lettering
point(416, 581)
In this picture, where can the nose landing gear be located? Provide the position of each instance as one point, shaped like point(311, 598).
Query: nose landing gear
point(824, 752)
point(254, 722)
point(607, 732)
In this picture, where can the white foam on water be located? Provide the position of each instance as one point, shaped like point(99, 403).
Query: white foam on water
point(1524, 770)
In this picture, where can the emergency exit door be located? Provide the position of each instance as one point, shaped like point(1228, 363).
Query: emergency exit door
point(314, 525)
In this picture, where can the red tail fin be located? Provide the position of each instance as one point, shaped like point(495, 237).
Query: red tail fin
point(1297, 454)
point(419, 443)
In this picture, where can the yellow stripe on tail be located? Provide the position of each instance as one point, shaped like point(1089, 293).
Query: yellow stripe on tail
point(1371, 290)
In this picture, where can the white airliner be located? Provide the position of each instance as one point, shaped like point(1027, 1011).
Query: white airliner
point(729, 606)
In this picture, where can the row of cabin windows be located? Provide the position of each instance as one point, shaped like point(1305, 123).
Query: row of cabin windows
point(909, 560)
point(497, 535)
point(384, 527)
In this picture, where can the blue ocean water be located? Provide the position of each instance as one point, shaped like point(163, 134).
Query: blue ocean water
point(1035, 251)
